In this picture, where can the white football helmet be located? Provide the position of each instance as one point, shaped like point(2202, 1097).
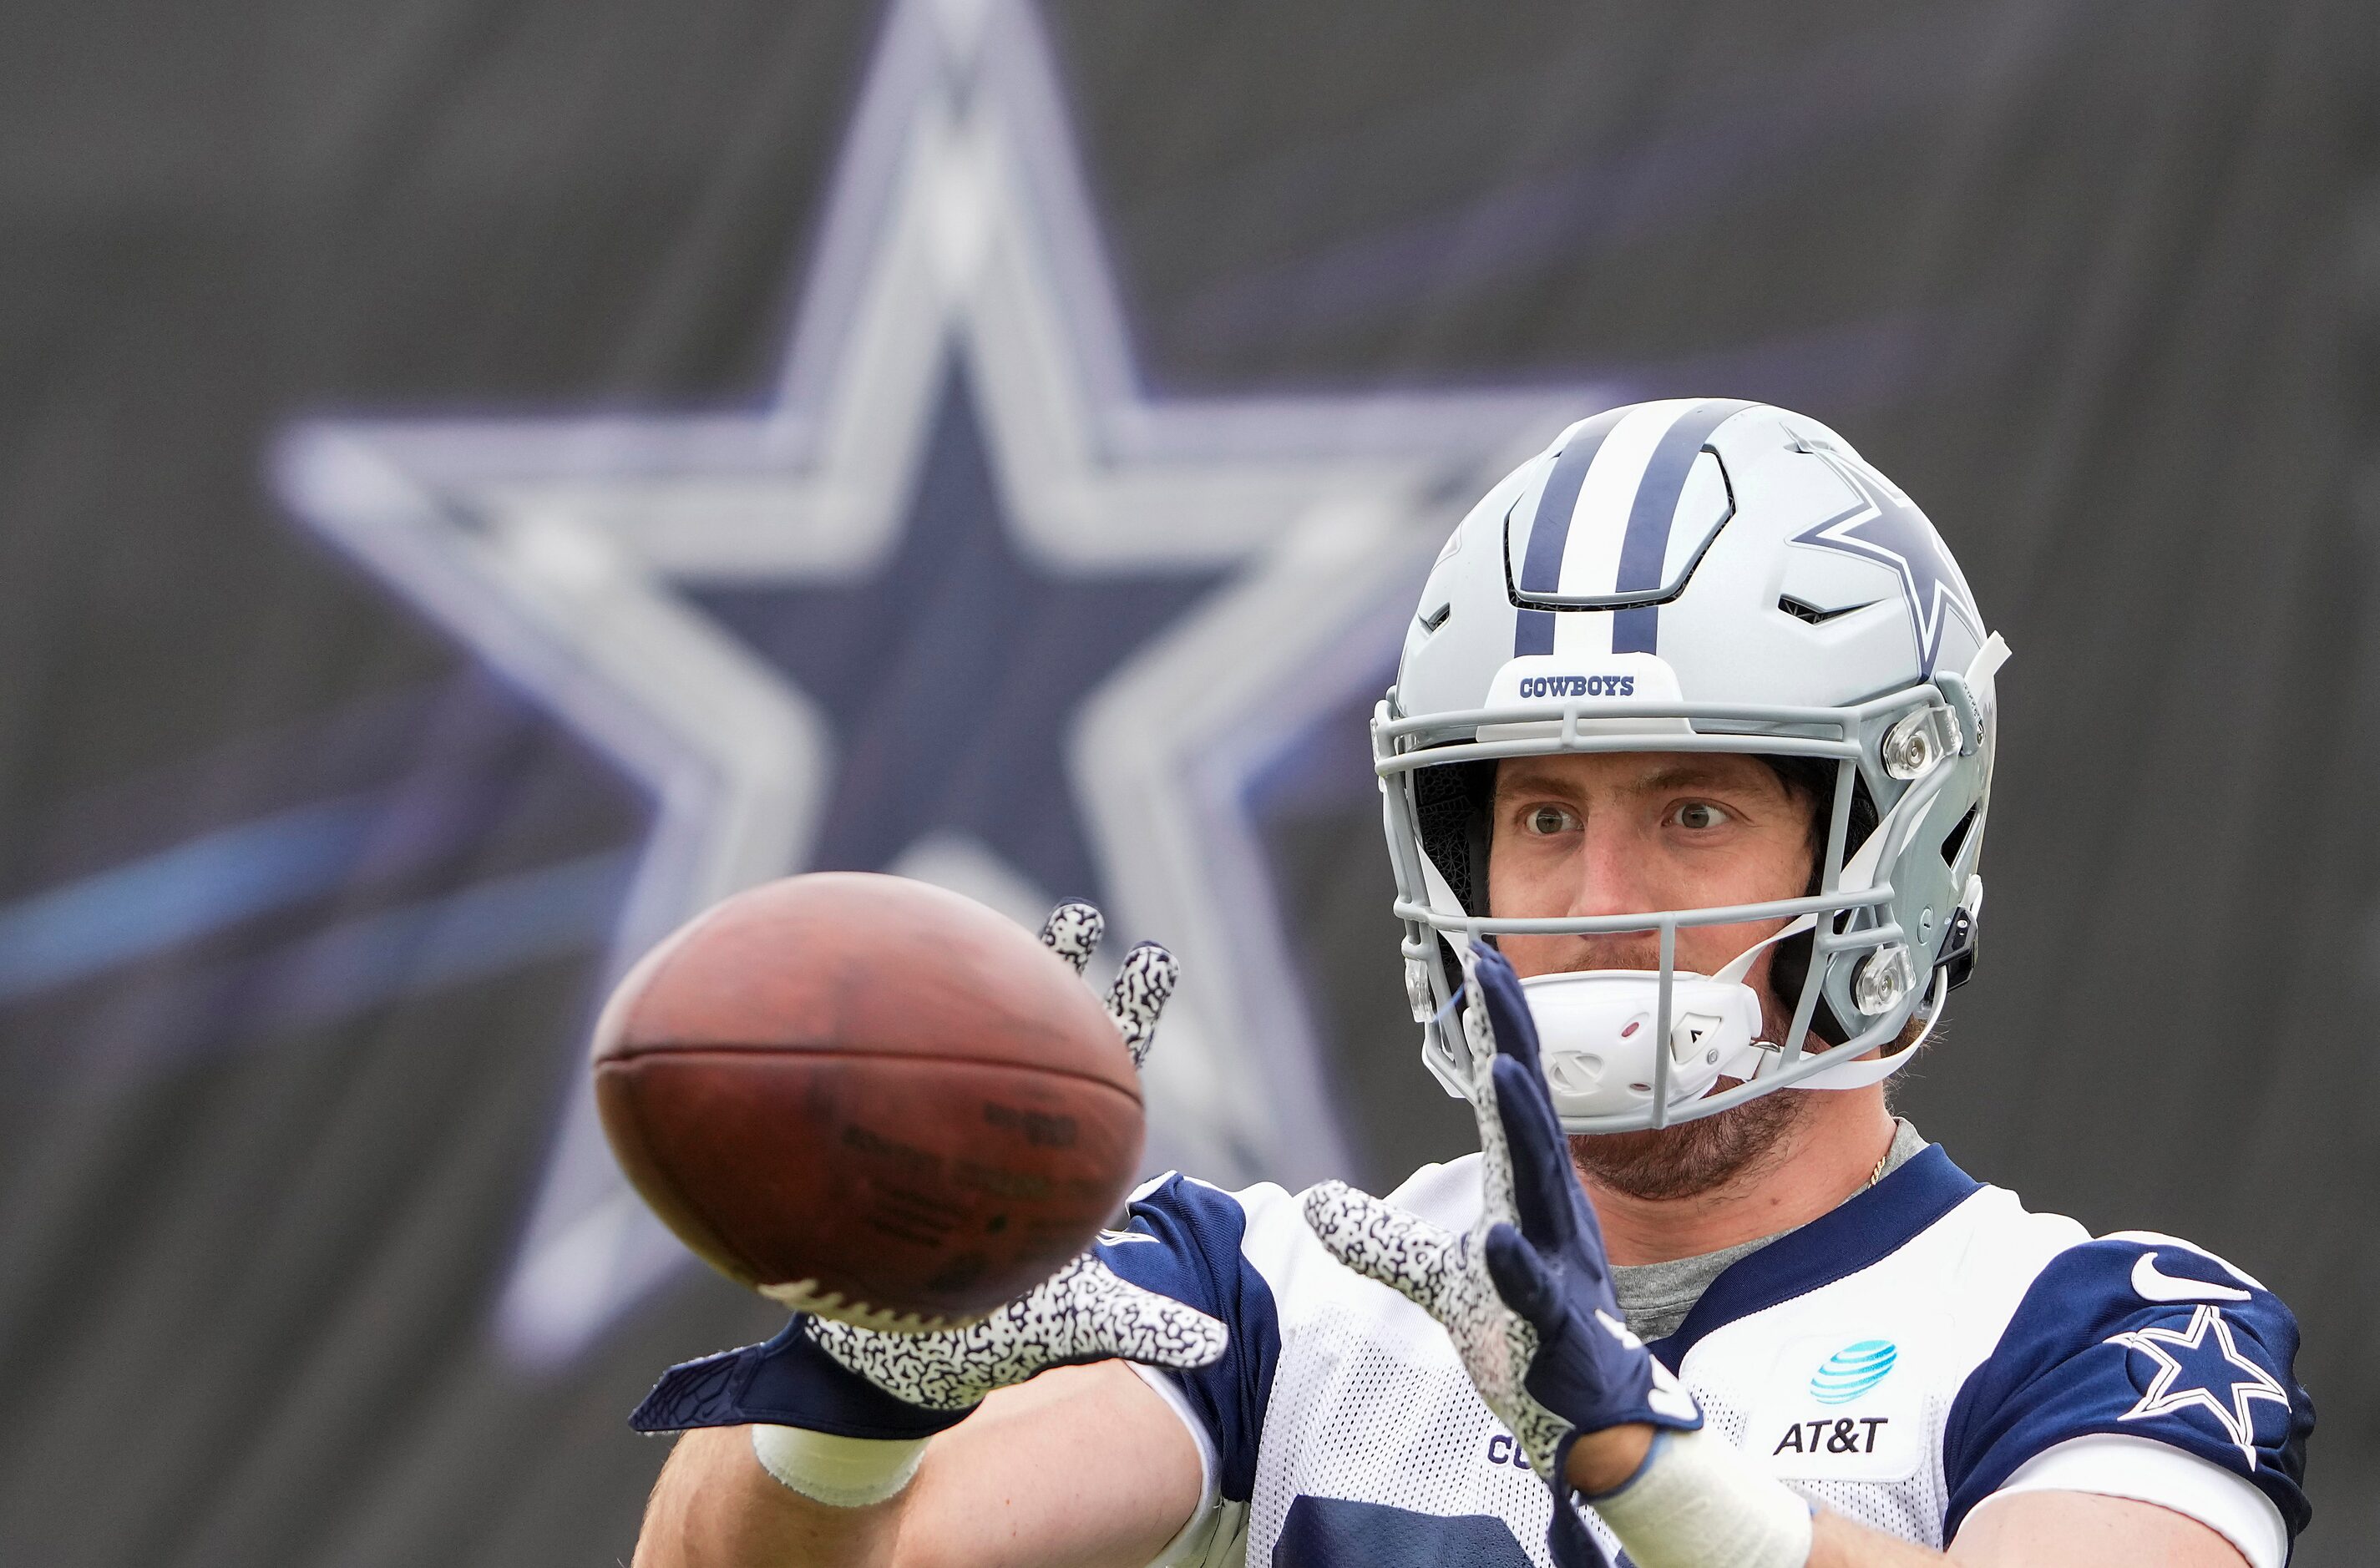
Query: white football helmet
point(1701, 575)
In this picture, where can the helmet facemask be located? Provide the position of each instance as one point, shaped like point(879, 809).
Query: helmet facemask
point(1881, 917)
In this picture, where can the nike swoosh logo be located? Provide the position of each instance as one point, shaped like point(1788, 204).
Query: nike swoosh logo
point(2155, 1284)
point(1125, 1238)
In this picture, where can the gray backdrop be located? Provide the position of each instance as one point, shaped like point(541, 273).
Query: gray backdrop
point(306, 903)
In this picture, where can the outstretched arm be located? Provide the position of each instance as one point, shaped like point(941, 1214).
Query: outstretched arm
point(1082, 1467)
point(1017, 1439)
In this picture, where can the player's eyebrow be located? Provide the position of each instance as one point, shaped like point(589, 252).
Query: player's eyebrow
point(1541, 779)
point(1686, 773)
point(1689, 773)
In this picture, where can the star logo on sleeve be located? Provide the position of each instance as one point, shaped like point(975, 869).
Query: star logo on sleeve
point(2201, 1366)
point(1886, 528)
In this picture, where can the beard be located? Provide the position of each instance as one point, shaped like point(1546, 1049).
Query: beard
point(1698, 1156)
point(1736, 1146)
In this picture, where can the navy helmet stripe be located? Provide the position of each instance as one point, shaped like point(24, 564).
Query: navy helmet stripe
point(1645, 546)
point(1549, 529)
point(1636, 630)
point(1533, 631)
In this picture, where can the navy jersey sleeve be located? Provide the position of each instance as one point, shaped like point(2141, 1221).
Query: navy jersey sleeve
point(1184, 1240)
point(2138, 1337)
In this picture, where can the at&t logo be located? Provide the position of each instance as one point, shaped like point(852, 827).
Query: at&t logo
point(1852, 1370)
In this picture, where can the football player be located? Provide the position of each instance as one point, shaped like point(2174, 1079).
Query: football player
point(1686, 770)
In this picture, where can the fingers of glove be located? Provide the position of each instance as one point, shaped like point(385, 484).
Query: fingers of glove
point(1545, 1195)
point(1521, 1275)
point(1110, 1316)
point(949, 1369)
point(1409, 1255)
point(1497, 1166)
point(1086, 1312)
point(1143, 983)
point(1073, 932)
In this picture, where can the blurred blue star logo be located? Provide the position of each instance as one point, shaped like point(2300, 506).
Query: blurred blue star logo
point(960, 598)
point(949, 673)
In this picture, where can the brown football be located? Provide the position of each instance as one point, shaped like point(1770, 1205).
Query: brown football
point(869, 1098)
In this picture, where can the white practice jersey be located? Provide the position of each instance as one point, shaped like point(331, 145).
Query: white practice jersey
point(1924, 1347)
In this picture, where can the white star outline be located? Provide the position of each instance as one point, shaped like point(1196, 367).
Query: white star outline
point(1944, 589)
point(957, 228)
point(2162, 1399)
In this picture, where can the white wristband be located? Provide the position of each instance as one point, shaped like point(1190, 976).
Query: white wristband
point(1697, 1500)
point(839, 1472)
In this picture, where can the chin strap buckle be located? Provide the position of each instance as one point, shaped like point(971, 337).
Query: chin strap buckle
point(1957, 959)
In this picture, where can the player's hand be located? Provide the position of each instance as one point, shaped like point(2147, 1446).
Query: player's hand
point(834, 1377)
point(1525, 1293)
point(1144, 980)
point(1088, 1312)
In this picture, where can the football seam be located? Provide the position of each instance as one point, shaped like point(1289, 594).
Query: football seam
point(683, 1052)
point(807, 1295)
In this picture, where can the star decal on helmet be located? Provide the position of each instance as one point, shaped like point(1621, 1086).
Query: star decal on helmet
point(2195, 1369)
point(1886, 528)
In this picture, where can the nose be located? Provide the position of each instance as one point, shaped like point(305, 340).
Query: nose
point(1609, 878)
point(1611, 873)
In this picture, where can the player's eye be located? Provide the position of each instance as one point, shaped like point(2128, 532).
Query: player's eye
point(1546, 821)
point(1701, 816)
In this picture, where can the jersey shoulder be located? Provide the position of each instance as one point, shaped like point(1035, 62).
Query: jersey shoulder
point(1248, 1259)
point(2143, 1335)
point(1191, 1241)
point(1203, 1244)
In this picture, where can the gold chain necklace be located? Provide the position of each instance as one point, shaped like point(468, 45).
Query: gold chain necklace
point(1884, 1159)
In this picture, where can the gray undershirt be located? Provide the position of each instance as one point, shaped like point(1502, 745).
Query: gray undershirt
point(1655, 1298)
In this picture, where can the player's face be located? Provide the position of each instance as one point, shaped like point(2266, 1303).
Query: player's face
point(1635, 832)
